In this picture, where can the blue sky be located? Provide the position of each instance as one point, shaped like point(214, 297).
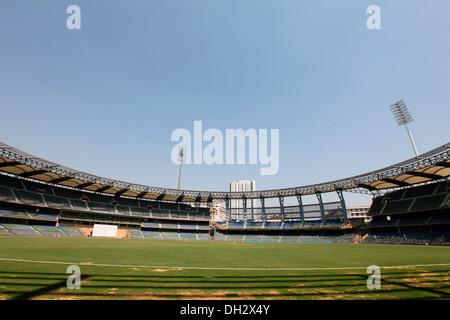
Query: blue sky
point(105, 99)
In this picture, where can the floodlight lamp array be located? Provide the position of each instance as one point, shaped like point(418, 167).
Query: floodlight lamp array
point(182, 154)
point(401, 113)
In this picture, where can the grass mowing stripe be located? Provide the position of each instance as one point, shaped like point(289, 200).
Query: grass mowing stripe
point(221, 268)
point(35, 267)
point(217, 254)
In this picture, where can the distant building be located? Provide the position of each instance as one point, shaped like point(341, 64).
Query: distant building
point(218, 211)
point(358, 212)
point(242, 186)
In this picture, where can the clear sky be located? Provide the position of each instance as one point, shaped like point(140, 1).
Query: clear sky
point(105, 99)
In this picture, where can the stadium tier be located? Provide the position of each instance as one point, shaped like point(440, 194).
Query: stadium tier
point(36, 205)
point(418, 215)
point(411, 205)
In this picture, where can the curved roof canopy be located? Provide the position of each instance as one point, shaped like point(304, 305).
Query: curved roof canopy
point(430, 166)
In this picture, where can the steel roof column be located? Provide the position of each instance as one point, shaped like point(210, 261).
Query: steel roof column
point(322, 210)
point(245, 211)
point(228, 210)
point(300, 205)
point(263, 211)
point(344, 208)
point(281, 198)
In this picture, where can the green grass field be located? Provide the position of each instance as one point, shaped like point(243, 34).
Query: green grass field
point(35, 268)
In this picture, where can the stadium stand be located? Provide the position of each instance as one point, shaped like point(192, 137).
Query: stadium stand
point(416, 215)
point(411, 206)
point(24, 210)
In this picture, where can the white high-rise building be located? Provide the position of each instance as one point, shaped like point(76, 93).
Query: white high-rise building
point(219, 211)
point(239, 186)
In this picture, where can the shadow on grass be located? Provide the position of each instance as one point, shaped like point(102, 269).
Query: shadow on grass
point(412, 284)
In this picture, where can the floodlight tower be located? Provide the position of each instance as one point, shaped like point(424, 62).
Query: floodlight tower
point(181, 158)
point(402, 116)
